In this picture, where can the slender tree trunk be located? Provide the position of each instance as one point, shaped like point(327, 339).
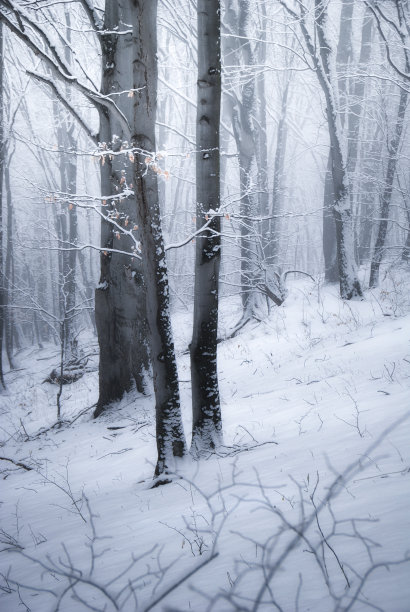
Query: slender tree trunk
point(367, 190)
point(349, 283)
point(67, 228)
point(8, 314)
point(206, 409)
point(273, 249)
point(388, 189)
point(361, 200)
point(2, 154)
point(241, 103)
point(329, 227)
point(343, 59)
point(262, 143)
point(170, 435)
point(245, 140)
point(120, 295)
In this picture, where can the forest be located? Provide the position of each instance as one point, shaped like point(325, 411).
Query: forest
point(204, 305)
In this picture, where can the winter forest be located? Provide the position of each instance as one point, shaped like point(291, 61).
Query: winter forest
point(204, 305)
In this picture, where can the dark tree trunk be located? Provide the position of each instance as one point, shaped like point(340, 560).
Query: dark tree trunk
point(206, 410)
point(170, 435)
point(120, 296)
point(2, 155)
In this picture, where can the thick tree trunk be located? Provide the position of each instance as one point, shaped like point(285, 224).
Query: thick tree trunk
point(170, 435)
point(120, 295)
point(206, 409)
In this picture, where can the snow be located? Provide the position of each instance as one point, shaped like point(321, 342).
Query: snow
point(304, 394)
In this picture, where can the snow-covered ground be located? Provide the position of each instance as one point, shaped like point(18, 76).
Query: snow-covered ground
point(307, 507)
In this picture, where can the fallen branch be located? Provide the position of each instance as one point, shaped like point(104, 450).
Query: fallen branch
point(17, 463)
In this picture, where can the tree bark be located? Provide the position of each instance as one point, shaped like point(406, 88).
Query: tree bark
point(388, 189)
point(281, 135)
point(349, 283)
point(2, 154)
point(8, 313)
point(394, 148)
point(120, 295)
point(343, 59)
point(206, 409)
point(170, 436)
point(329, 227)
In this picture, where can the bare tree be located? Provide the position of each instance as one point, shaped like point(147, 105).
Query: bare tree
point(170, 436)
point(402, 30)
point(2, 300)
point(349, 283)
point(207, 424)
point(120, 295)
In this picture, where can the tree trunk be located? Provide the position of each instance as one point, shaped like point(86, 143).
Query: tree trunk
point(8, 313)
point(170, 435)
point(329, 228)
point(120, 295)
point(2, 154)
point(206, 409)
point(241, 102)
point(343, 59)
point(262, 142)
point(273, 248)
point(388, 189)
point(349, 283)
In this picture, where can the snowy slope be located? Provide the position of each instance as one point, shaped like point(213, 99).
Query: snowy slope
point(317, 387)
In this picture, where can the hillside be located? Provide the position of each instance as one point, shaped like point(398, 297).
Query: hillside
point(305, 508)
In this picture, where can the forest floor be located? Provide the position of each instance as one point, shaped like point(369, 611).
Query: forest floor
point(307, 507)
